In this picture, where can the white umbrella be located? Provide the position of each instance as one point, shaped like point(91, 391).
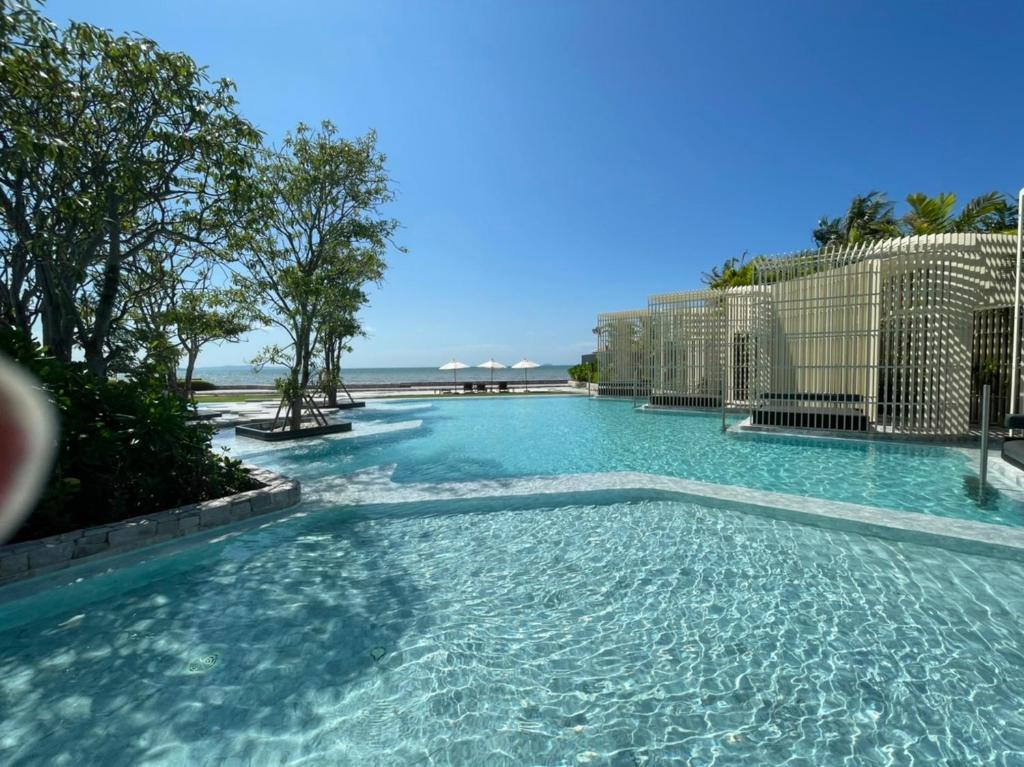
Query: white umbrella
point(524, 365)
point(453, 366)
point(493, 366)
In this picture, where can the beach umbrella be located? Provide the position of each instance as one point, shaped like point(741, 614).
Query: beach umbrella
point(524, 365)
point(493, 366)
point(453, 366)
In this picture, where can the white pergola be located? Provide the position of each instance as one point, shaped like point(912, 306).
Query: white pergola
point(892, 336)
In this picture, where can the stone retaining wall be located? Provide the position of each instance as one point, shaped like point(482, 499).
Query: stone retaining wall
point(46, 555)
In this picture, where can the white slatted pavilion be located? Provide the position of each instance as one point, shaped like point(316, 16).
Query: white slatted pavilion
point(624, 362)
point(702, 347)
point(896, 336)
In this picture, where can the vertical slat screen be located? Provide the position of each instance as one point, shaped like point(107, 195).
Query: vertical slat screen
point(896, 337)
point(623, 354)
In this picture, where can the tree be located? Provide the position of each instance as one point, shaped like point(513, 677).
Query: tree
point(991, 212)
point(585, 372)
point(204, 316)
point(339, 327)
point(109, 147)
point(828, 232)
point(735, 272)
point(869, 217)
point(323, 239)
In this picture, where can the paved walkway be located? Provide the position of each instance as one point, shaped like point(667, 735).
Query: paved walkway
point(232, 413)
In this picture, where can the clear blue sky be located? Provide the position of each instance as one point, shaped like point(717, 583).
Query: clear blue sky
point(556, 159)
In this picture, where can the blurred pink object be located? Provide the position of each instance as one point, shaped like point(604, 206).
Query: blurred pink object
point(28, 430)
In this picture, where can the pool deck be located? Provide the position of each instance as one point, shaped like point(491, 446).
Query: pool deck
point(231, 413)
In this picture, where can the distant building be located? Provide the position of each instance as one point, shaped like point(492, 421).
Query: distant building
point(896, 336)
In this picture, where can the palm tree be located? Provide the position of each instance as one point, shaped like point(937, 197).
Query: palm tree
point(991, 212)
point(869, 217)
point(828, 232)
point(734, 273)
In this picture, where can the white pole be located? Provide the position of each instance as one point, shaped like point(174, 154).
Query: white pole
point(986, 399)
point(1015, 367)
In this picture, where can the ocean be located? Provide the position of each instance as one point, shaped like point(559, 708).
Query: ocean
point(243, 375)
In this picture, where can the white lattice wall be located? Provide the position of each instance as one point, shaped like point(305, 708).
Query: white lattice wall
point(894, 336)
point(623, 353)
point(703, 347)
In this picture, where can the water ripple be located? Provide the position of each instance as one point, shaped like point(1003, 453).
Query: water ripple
point(651, 632)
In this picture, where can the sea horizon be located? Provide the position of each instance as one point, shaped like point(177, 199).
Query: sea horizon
point(244, 375)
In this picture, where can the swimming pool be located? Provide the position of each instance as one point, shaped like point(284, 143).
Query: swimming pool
point(457, 439)
point(643, 632)
point(615, 627)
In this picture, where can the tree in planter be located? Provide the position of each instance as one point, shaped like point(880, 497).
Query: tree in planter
point(109, 147)
point(322, 239)
point(336, 334)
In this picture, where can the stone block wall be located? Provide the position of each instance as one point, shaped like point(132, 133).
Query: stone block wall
point(46, 555)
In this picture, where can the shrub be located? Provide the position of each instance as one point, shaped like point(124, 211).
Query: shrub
point(585, 372)
point(126, 448)
point(198, 384)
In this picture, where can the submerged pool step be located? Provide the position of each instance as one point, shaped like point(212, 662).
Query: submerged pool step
point(375, 486)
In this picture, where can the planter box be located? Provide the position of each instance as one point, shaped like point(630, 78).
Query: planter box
point(28, 559)
point(261, 430)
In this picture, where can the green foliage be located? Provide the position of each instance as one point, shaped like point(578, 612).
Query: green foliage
point(129, 186)
point(734, 273)
point(585, 372)
point(322, 240)
point(109, 148)
point(198, 384)
point(126, 447)
point(870, 217)
point(990, 212)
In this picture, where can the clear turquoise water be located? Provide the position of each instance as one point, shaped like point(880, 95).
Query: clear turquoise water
point(645, 633)
point(487, 438)
point(520, 631)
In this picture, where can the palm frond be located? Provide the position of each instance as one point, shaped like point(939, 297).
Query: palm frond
point(930, 215)
point(981, 214)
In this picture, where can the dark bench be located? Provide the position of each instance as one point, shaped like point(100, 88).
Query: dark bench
point(1013, 447)
point(814, 397)
point(686, 400)
point(623, 390)
point(838, 411)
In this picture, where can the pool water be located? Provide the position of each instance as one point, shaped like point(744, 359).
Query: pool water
point(458, 439)
point(627, 633)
